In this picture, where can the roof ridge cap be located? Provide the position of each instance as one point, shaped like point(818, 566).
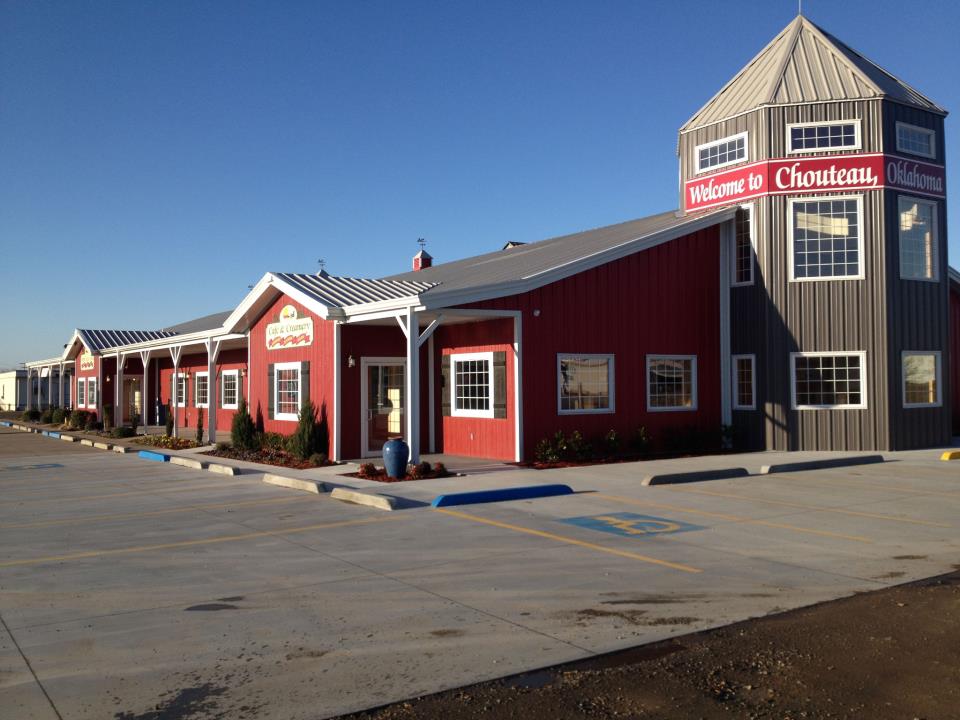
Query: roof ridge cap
point(797, 28)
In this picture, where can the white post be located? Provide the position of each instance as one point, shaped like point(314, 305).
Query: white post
point(144, 404)
point(337, 381)
point(431, 396)
point(175, 356)
point(60, 402)
point(118, 393)
point(49, 386)
point(213, 352)
point(413, 385)
point(29, 391)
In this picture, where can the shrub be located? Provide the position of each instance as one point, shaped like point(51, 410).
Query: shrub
point(77, 419)
point(46, 416)
point(30, 415)
point(108, 416)
point(93, 424)
point(414, 472)
point(134, 422)
point(273, 441)
point(199, 426)
point(59, 416)
point(318, 459)
point(306, 439)
point(611, 443)
point(578, 448)
point(223, 446)
point(440, 470)
point(546, 452)
point(169, 423)
point(640, 442)
point(368, 470)
point(243, 434)
point(122, 432)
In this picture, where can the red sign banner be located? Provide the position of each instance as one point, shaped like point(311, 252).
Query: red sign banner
point(795, 176)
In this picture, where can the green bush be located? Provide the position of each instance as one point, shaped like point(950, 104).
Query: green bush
point(578, 448)
point(46, 416)
point(134, 422)
point(243, 434)
point(440, 470)
point(59, 416)
point(368, 470)
point(77, 419)
point(640, 442)
point(30, 415)
point(108, 416)
point(199, 426)
point(273, 441)
point(308, 436)
point(123, 432)
point(546, 451)
point(611, 443)
point(169, 424)
point(318, 460)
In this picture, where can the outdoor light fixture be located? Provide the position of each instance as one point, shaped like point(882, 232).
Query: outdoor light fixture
point(351, 362)
point(243, 372)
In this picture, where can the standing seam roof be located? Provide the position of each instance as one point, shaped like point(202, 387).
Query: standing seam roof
point(340, 292)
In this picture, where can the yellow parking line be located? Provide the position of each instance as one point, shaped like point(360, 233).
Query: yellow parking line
point(570, 541)
point(150, 513)
point(81, 498)
point(818, 508)
point(735, 518)
point(192, 543)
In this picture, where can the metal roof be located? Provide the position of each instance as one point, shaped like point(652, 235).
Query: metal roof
point(207, 322)
point(99, 340)
point(528, 261)
point(341, 292)
point(802, 64)
point(954, 275)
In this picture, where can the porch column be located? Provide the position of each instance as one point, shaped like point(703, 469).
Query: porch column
point(118, 393)
point(144, 399)
point(29, 390)
point(60, 402)
point(213, 352)
point(49, 386)
point(337, 382)
point(413, 385)
point(175, 356)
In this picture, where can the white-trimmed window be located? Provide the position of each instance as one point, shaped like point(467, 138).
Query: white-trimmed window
point(826, 238)
point(229, 389)
point(584, 384)
point(91, 392)
point(201, 390)
point(181, 390)
point(823, 136)
point(472, 391)
point(828, 380)
point(81, 392)
point(671, 382)
point(918, 239)
point(742, 255)
point(286, 386)
point(720, 153)
point(916, 140)
point(744, 382)
point(921, 379)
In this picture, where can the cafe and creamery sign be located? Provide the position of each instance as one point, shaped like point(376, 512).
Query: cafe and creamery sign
point(289, 330)
point(86, 361)
point(834, 173)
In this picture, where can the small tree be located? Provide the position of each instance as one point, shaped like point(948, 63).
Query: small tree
point(134, 422)
point(108, 416)
point(243, 434)
point(199, 426)
point(305, 441)
point(169, 423)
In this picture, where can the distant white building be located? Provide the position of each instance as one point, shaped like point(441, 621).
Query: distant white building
point(13, 390)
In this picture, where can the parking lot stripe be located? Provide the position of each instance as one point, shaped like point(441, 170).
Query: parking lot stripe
point(82, 498)
point(817, 508)
point(735, 518)
point(192, 543)
point(149, 513)
point(871, 486)
point(570, 541)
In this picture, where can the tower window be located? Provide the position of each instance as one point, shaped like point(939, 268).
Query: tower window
point(720, 153)
point(814, 137)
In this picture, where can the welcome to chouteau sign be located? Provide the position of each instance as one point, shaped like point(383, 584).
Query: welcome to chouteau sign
point(794, 176)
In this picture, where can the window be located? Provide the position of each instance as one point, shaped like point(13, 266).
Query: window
point(81, 392)
point(287, 389)
point(181, 390)
point(743, 247)
point(814, 137)
point(91, 392)
point(744, 383)
point(585, 384)
point(828, 380)
point(921, 379)
point(671, 382)
point(229, 391)
point(918, 239)
point(720, 153)
point(826, 238)
point(472, 384)
point(201, 388)
point(916, 140)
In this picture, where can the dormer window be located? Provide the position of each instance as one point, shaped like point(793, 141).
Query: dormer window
point(916, 140)
point(823, 136)
point(720, 153)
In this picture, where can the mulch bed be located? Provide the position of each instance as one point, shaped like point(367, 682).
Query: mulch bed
point(384, 478)
point(266, 456)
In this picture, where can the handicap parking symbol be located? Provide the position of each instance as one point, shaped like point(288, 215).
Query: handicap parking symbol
point(631, 524)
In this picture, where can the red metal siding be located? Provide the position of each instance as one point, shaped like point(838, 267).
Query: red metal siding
point(664, 300)
point(319, 354)
point(955, 354)
point(197, 362)
point(95, 374)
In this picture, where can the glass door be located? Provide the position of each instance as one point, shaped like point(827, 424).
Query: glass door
point(384, 403)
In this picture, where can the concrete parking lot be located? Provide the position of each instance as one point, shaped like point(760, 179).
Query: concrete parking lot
point(131, 589)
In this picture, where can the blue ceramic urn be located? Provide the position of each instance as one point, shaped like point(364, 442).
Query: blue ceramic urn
point(395, 455)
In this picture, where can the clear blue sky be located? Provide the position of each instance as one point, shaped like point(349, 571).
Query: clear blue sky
point(158, 157)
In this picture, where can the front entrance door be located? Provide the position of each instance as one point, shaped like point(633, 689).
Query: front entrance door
point(382, 398)
point(132, 399)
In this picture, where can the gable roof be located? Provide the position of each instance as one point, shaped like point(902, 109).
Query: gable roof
point(96, 341)
point(802, 64)
point(526, 266)
point(201, 324)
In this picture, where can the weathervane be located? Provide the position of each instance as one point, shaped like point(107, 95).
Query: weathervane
point(422, 243)
point(322, 263)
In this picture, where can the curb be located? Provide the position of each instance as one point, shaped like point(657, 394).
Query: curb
point(310, 486)
point(187, 462)
point(149, 455)
point(88, 443)
point(68, 438)
point(222, 469)
point(380, 502)
point(821, 464)
point(695, 476)
point(122, 449)
point(102, 446)
point(500, 495)
point(951, 455)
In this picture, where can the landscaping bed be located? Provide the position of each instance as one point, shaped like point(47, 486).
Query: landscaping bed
point(422, 471)
point(271, 456)
point(164, 441)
